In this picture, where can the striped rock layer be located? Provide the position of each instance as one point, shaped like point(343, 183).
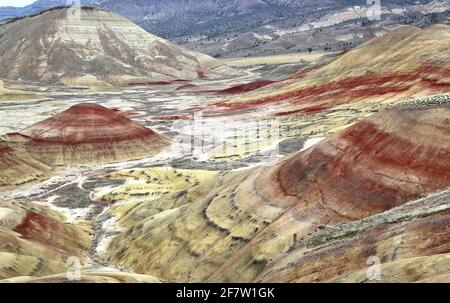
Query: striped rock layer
point(233, 227)
point(17, 167)
point(35, 241)
point(90, 134)
point(94, 47)
point(407, 244)
point(407, 62)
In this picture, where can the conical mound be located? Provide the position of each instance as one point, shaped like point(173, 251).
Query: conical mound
point(91, 134)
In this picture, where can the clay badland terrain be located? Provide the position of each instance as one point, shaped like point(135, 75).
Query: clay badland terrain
point(141, 161)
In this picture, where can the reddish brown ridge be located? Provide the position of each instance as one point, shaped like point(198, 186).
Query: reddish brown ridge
point(237, 89)
point(188, 87)
point(351, 89)
point(172, 118)
point(36, 228)
point(41, 229)
point(90, 133)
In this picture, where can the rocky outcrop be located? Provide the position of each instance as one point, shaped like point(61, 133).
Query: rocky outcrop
point(90, 134)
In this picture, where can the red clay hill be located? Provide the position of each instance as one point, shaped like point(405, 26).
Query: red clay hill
point(246, 219)
point(407, 62)
point(90, 134)
point(376, 165)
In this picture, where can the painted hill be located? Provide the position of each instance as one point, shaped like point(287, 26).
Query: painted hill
point(35, 241)
point(231, 228)
point(17, 167)
point(90, 134)
point(408, 62)
point(100, 48)
point(410, 242)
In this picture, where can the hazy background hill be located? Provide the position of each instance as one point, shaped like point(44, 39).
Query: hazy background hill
point(224, 28)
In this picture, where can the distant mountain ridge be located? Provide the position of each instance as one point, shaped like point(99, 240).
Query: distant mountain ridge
point(153, 15)
point(259, 27)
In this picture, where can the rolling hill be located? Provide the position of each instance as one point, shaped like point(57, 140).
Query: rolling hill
point(232, 227)
point(99, 49)
point(17, 167)
point(408, 62)
point(35, 241)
